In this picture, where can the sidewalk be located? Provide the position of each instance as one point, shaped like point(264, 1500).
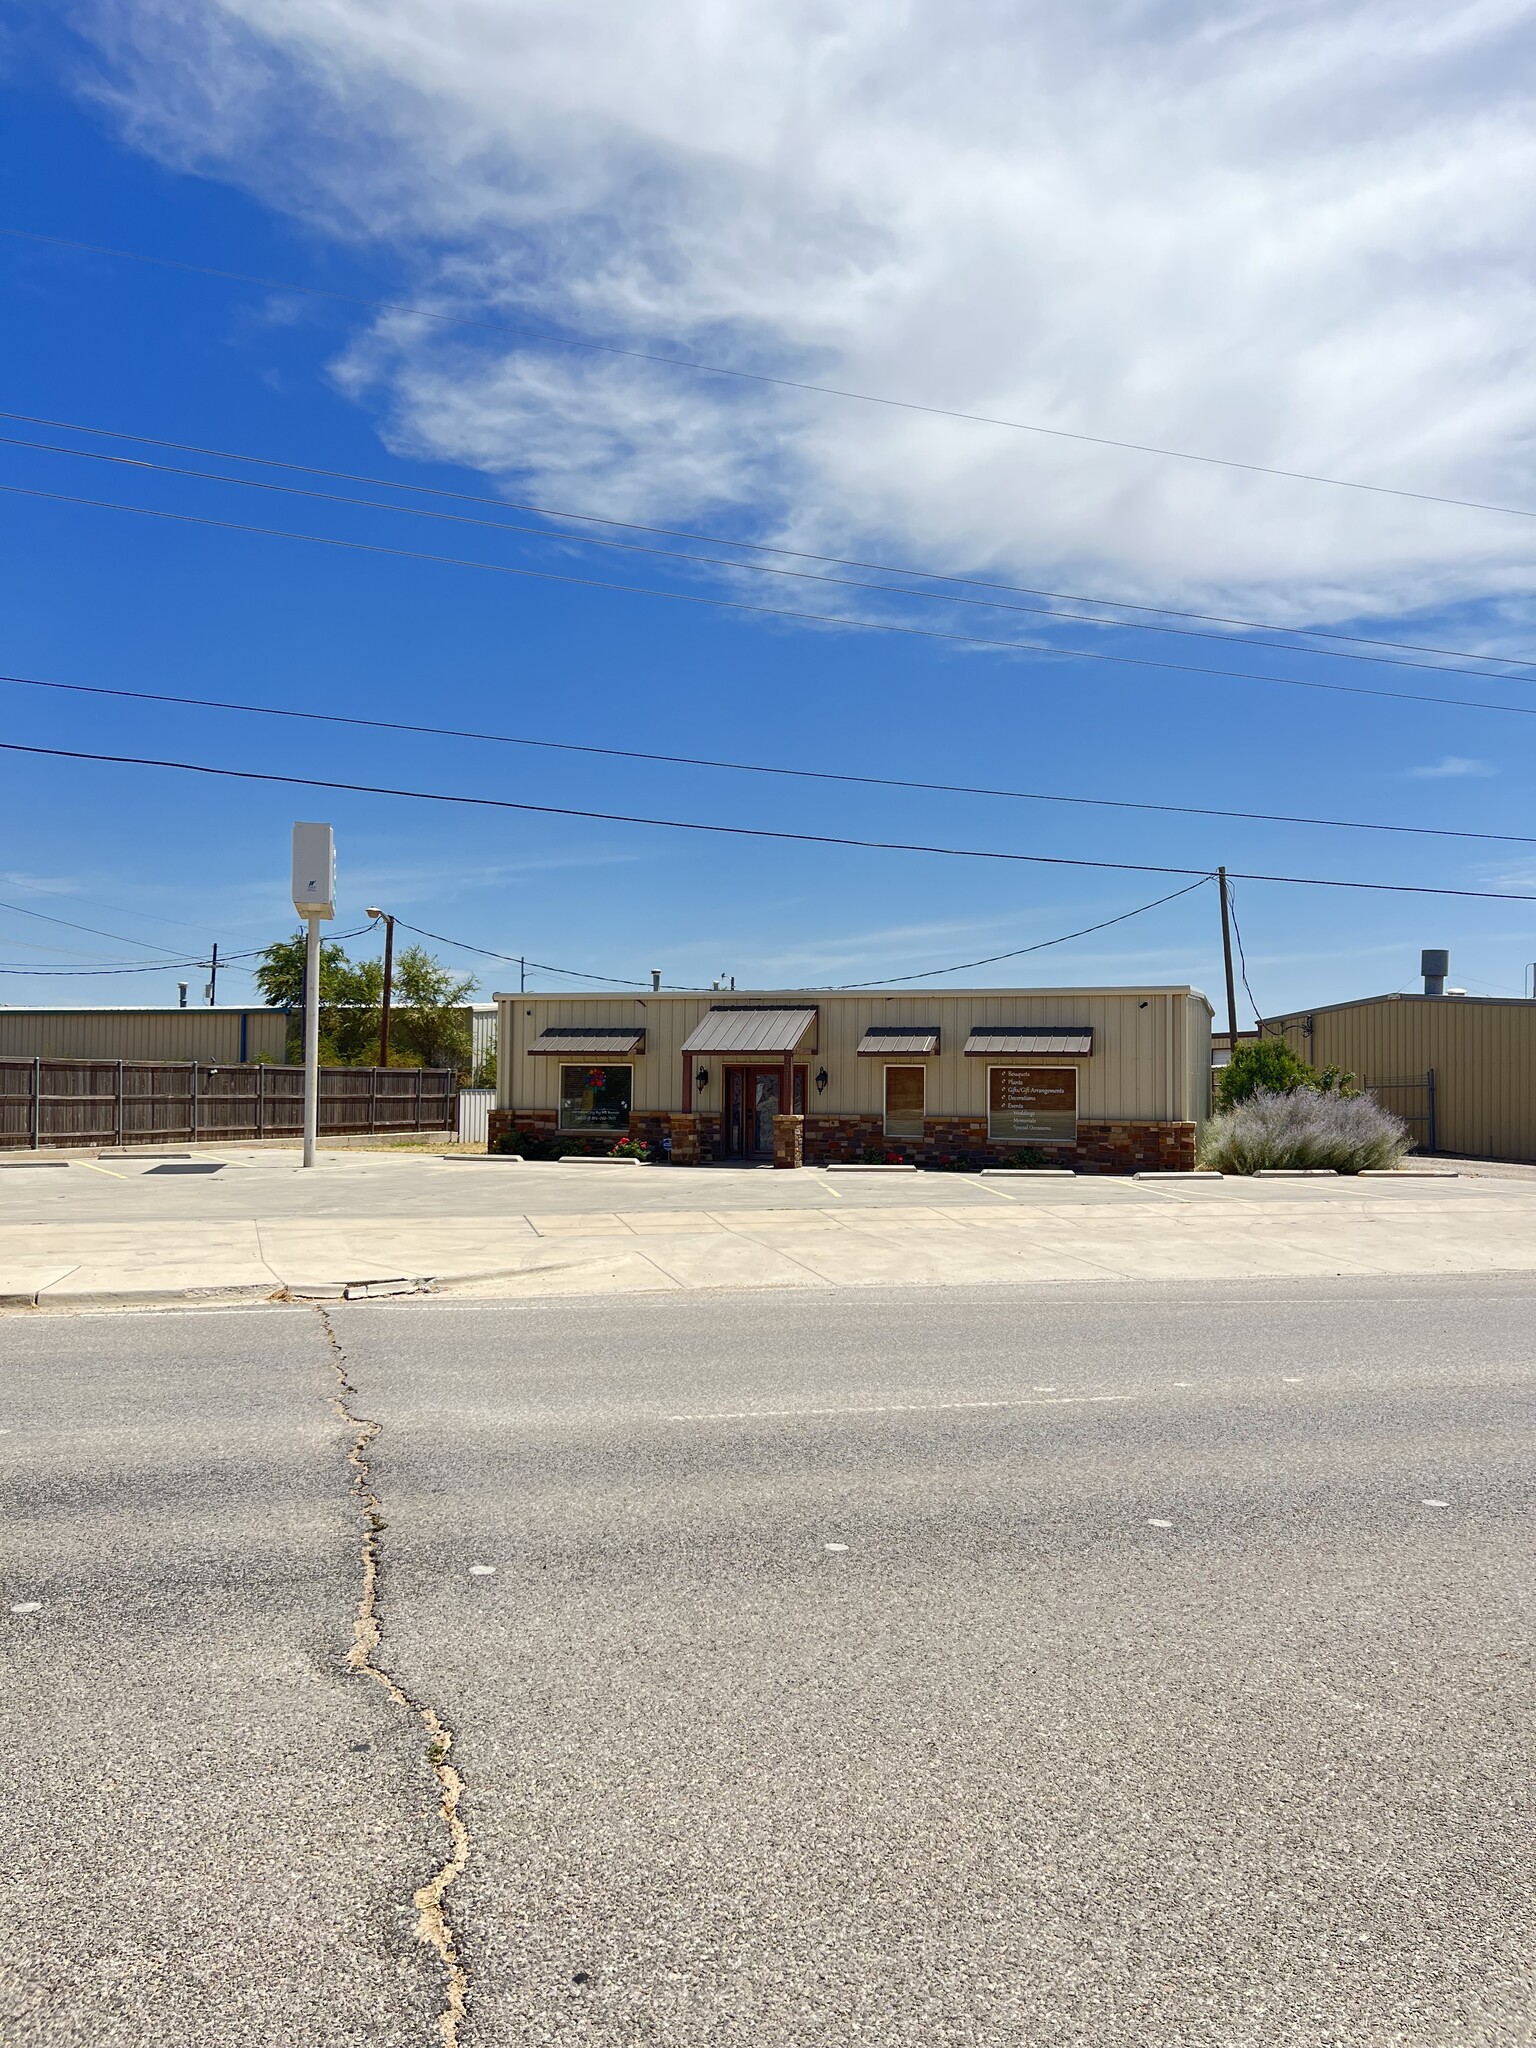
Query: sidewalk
point(251, 1227)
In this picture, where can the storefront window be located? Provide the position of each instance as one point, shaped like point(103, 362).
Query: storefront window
point(596, 1098)
point(904, 1102)
point(1032, 1105)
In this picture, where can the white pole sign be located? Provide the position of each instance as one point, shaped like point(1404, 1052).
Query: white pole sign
point(314, 898)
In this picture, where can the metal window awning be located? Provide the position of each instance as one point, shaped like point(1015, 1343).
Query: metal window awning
point(589, 1041)
point(745, 1029)
point(995, 1041)
point(913, 1040)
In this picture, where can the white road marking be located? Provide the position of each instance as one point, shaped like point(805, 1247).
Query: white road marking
point(1154, 1523)
point(28, 1607)
point(1434, 1503)
point(1290, 1379)
point(481, 1571)
point(834, 1546)
point(889, 1408)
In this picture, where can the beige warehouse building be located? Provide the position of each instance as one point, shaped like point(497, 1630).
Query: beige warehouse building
point(218, 1037)
point(1109, 1079)
point(1461, 1070)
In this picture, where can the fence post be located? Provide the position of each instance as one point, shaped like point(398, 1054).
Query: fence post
point(373, 1102)
point(1429, 1079)
point(418, 1099)
point(194, 1102)
point(261, 1100)
point(37, 1101)
point(119, 1105)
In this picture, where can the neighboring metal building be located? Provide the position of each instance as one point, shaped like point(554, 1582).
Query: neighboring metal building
point(1108, 1078)
point(218, 1037)
point(1460, 1069)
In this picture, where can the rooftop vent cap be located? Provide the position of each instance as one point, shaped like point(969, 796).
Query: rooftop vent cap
point(1434, 965)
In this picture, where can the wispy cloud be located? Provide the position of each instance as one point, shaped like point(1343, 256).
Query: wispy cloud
point(1031, 234)
point(1448, 767)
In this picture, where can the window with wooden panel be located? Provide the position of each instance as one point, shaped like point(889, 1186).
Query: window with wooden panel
point(904, 1101)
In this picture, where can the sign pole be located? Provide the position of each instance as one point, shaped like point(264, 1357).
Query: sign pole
point(311, 1039)
point(314, 898)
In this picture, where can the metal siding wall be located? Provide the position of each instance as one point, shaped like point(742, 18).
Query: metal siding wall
point(1148, 1044)
point(1483, 1054)
point(209, 1035)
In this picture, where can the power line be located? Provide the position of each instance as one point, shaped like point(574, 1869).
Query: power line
point(771, 611)
point(1040, 946)
point(946, 596)
point(1242, 961)
point(163, 966)
point(519, 959)
point(551, 339)
point(499, 803)
point(754, 767)
point(96, 933)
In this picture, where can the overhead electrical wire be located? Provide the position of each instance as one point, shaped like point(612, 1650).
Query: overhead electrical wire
point(754, 767)
point(948, 596)
point(729, 604)
point(519, 959)
point(95, 931)
point(166, 966)
point(498, 803)
point(549, 337)
point(1040, 945)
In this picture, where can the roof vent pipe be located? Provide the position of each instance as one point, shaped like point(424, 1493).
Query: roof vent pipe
point(1434, 965)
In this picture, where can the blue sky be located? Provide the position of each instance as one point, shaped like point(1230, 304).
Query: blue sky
point(306, 144)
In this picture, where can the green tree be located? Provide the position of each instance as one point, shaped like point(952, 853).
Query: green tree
point(429, 1023)
point(350, 993)
point(1266, 1063)
point(428, 1026)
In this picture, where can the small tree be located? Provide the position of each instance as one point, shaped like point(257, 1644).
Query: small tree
point(428, 1023)
point(1266, 1063)
point(350, 993)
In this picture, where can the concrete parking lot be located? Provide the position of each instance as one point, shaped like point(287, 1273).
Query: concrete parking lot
point(252, 1225)
point(1031, 1666)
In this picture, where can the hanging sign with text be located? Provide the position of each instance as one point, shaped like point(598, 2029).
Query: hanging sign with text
point(1032, 1105)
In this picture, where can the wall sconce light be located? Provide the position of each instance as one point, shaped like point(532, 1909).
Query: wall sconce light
point(701, 1078)
point(821, 1080)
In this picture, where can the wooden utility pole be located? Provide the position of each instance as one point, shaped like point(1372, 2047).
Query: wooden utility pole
point(389, 975)
point(213, 976)
point(1226, 955)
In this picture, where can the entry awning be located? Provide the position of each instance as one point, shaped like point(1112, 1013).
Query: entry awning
point(1002, 1041)
point(743, 1028)
point(589, 1041)
point(913, 1040)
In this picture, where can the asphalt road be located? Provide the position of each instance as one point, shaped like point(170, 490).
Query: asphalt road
point(1037, 1667)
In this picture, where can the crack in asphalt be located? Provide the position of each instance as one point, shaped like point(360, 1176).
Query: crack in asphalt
point(433, 1925)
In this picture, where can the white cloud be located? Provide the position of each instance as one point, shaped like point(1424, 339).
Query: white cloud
point(1294, 235)
point(1450, 766)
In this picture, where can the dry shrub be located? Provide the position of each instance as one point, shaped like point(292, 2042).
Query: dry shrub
point(1304, 1128)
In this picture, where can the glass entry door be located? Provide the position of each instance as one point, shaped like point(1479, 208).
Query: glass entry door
point(751, 1104)
point(765, 1107)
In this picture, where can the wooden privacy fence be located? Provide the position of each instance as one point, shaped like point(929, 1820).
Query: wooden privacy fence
point(134, 1102)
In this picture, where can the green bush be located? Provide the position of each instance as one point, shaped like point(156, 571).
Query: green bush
point(1308, 1126)
point(1266, 1063)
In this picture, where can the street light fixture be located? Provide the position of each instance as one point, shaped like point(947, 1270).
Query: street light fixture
point(389, 969)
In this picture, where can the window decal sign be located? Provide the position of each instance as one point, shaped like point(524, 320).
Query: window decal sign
point(1032, 1105)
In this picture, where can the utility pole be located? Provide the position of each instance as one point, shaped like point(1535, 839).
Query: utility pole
point(213, 976)
point(389, 975)
point(522, 977)
point(314, 898)
point(1226, 954)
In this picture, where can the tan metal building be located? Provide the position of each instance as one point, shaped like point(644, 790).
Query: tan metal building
point(217, 1037)
point(1461, 1070)
point(1106, 1078)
